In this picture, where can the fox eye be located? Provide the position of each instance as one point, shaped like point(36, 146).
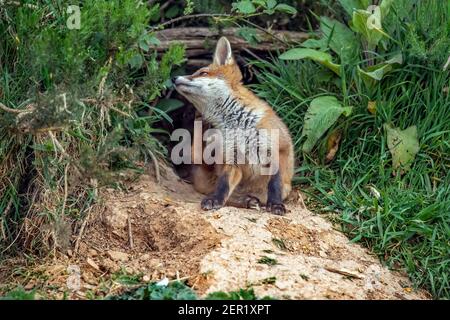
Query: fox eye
point(203, 73)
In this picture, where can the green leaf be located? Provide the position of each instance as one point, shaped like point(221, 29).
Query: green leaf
point(271, 4)
point(377, 72)
point(385, 7)
point(285, 8)
point(341, 39)
point(403, 145)
point(261, 3)
point(136, 61)
point(146, 40)
point(249, 34)
point(322, 113)
point(245, 7)
point(351, 5)
point(320, 44)
point(168, 105)
point(318, 56)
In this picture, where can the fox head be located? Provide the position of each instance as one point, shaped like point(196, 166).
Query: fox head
point(211, 84)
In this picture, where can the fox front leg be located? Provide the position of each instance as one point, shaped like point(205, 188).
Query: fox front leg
point(227, 182)
point(274, 195)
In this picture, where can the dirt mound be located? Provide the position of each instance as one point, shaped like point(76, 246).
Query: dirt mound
point(158, 230)
point(142, 233)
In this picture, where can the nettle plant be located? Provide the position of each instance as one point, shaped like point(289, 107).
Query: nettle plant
point(359, 49)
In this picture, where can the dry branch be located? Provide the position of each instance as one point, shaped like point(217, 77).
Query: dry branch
point(200, 41)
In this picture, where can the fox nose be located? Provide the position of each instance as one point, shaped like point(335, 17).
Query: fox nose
point(174, 80)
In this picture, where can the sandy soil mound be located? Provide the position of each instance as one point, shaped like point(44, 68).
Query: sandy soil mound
point(159, 230)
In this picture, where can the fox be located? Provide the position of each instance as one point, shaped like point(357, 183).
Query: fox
point(218, 94)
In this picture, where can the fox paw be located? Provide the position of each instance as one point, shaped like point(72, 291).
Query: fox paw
point(276, 208)
point(252, 203)
point(211, 203)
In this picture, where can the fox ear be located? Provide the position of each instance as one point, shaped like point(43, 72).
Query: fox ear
point(223, 54)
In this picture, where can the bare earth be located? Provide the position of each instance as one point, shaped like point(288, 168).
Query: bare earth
point(160, 231)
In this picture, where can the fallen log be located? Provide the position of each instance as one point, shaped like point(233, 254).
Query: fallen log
point(200, 41)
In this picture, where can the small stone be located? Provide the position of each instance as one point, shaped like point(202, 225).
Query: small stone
point(116, 218)
point(145, 196)
point(92, 263)
point(69, 253)
point(144, 257)
point(89, 278)
point(146, 278)
point(323, 254)
point(118, 256)
point(109, 265)
point(92, 252)
point(30, 285)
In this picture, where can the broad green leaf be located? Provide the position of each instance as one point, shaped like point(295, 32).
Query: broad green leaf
point(245, 7)
point(403, 145)
point(144, 45)
point(318, 56)
point(285, 8)
point(341, 39)
point(136, 61)
point(146, 40)
point(322, 113)
point(377, 72)
point(315, 43)
point(168, 105)
point(351, 5)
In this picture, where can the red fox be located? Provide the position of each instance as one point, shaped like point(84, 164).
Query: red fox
point(217, 92)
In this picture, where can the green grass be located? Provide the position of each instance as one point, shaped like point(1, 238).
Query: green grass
point(19, 293)
point(90, 116)
point(180, 291)
point(267, 260)
point(404, 218)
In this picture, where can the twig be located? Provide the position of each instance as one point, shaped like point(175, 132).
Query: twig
point(101, 86)
point(130, 233)
point(345, 272)
point(80, 234)
point(66, 187)
point(447, 64)
point(108, 105)
point(192, 16)
point(300, 198)
point(10, 110)
point(179, 279)
point(58, 145)
point(156, 164)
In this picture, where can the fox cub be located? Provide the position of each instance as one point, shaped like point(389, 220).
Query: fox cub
point(217, 92)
